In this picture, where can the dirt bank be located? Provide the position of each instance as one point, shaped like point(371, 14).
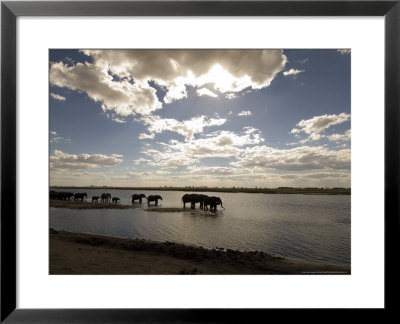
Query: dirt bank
point(88, 205)
point(81, 253)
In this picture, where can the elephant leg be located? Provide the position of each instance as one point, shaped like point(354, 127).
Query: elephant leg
point(192, 205)
point(156, 202)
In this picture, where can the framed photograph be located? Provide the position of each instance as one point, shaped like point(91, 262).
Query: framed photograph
point(175, 161)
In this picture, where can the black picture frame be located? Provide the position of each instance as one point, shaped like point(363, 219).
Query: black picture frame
point(10, 10)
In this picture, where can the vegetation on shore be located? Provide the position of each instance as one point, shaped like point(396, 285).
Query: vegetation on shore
point(279, 190)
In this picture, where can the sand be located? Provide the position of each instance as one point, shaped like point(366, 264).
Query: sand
point(83, 253)
point(72, 204)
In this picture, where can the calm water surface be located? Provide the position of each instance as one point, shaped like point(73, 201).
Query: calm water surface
point(310, 227)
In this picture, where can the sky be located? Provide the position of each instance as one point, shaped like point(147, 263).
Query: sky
point(216, 118)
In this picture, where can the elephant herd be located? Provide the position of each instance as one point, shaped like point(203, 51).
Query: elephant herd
point(205, 201)
point(105, 198)
point(151, 198)
point(62, 195)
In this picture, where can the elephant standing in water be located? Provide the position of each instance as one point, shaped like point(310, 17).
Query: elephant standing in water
point(80, 195)
point(115, 199)
point(213, 202)
point(95, 198)
point(154, 198)
point(105, 197)
point(193, 199)
point(138, 197)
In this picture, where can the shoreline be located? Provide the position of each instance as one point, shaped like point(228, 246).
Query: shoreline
point(284, 190)
point(85, 253)
point(71, 204)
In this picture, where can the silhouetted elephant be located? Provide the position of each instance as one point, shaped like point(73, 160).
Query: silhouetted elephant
point(80, 195)
point(115, 199)
point(95, 198)
point(154, 198)
point(193, 199)
point(213, 202)
point(138, 197)
point(105, 197)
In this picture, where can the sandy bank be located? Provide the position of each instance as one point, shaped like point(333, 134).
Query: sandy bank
point(88, 205)
point(71, 204)
point(81, 253)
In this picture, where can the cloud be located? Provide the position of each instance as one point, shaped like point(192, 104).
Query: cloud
point(318, 124)
point(340, 137)
point(206, 92)
point(54, 138)
point(230, 95)
point(292, 72)
point(121, 97)
point(218, 144)
point(296, 159)
point(186, 128)
point(321, 175)
point(118, 120)
point(60, 160)
point(146, 136)
point(224, 171)
point(57, 97)
point(344, 51)
point(245, 113)
point(119, 79)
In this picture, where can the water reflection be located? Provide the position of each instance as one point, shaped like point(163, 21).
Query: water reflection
point(302, 226)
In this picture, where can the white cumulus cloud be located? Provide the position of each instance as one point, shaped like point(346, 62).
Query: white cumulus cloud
point(206, 92)
point(186, 128)
point(60, 160)
point(245, 113)
point(119, 79)
point(319, 123)
point(57, 97)
point(292, 72)
point(296, 159)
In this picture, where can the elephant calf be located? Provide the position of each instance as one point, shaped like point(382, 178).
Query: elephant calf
point(115, 199)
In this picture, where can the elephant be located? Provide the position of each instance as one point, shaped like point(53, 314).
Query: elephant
point(193, 199)
point(115, 199)
point(138, 197)
point(95, 198)
point(154, 198)
point(105, 197)
point(80, 195)
point(213, 202)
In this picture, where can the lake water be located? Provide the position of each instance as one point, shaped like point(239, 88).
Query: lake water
point(308, 227)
